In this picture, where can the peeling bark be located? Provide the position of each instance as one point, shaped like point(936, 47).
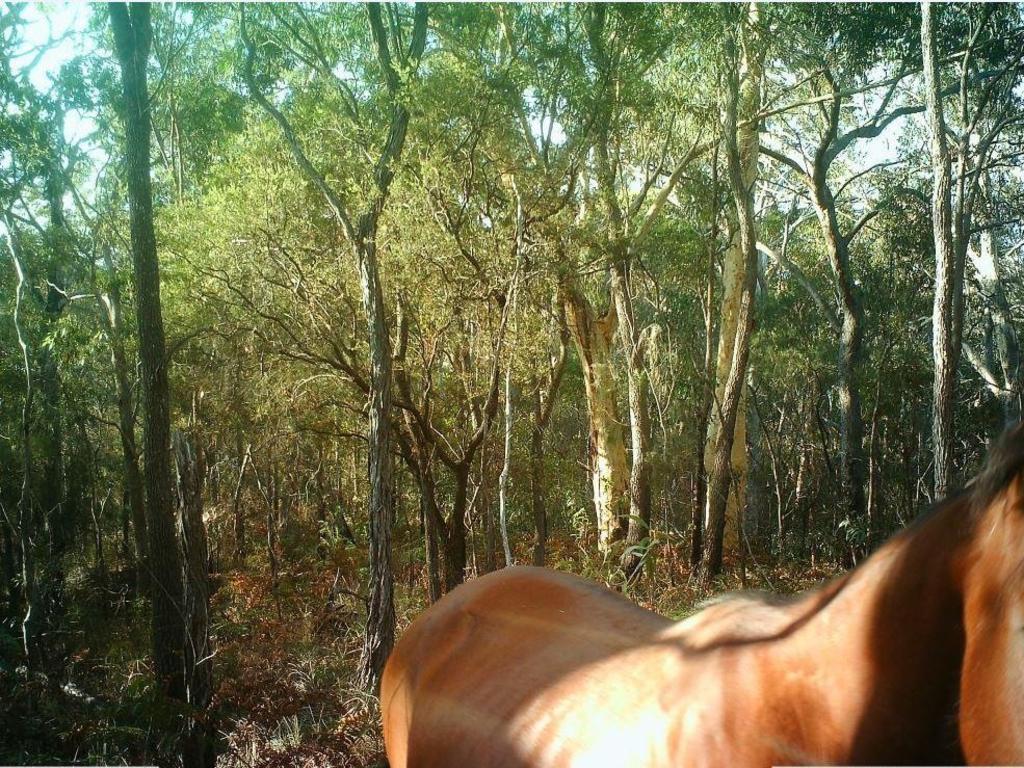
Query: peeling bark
point(593, 338)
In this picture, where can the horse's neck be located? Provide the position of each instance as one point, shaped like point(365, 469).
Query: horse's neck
point(886, 639)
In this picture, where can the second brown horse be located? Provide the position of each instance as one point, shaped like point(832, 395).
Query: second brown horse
point(915, 657)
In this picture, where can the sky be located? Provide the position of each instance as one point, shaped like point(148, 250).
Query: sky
point(64, 23)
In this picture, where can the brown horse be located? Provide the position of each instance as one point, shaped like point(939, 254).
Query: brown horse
point(915, 657)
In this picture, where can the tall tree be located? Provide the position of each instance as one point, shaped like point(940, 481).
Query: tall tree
point(963, 147)
point(727, 425)
point(360, 226)
point(948, 278)
point(132, 28)
point(744, 55)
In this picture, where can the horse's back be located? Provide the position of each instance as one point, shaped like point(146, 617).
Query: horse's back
point(543, 634)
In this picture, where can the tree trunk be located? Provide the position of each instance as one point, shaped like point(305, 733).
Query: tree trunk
point(592, 337)
point(431, 514)
point(943, 353)
point(639, 423)
point(24, 526)
point(8, 564)
point(380, 623)
point(741, 148)
point(109, 308)
point(54, 498)
point(708, 384)
point(487, 514)
point(361, 232)
point(132, 35)
point(1000, 366)
point(506, 470)
point(455, 533)
point(198, 745)
point(850, 357)
point(237, 515)
point(543, 407)
point(738, 276)
point(540, 514)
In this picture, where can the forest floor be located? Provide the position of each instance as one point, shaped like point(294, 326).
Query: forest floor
point(287, 650)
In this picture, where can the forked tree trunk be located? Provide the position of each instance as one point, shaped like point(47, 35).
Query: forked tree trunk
point(593, 339)
point(361, 231)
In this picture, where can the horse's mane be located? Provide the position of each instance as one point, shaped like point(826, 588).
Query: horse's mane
point(1004, 462)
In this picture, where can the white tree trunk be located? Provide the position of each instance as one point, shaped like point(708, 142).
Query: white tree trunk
point(608, 468)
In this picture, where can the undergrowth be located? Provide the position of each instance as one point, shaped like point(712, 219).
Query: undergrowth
point(287, 652)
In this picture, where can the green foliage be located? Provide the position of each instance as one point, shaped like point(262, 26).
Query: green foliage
point(495, 207)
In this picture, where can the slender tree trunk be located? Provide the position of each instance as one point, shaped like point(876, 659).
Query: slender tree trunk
point(540, 514)
point(237, 515)
point(455, 533)
point(379, 636)
point(850, 357)
point(53, 491)
point(874, 481)
point(380, 625)
point(943, 307)
point(431, 514)
point(24, 526)
point(506, 471)
point(97, 508)
point(132, 35)
point(109, 308)
point(543, 407)
point(708, 384)
point(9, 562)
point(198, 745)
point(490, 525)
point(639, 423)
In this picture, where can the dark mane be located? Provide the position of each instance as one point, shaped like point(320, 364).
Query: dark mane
point(1004, 462)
